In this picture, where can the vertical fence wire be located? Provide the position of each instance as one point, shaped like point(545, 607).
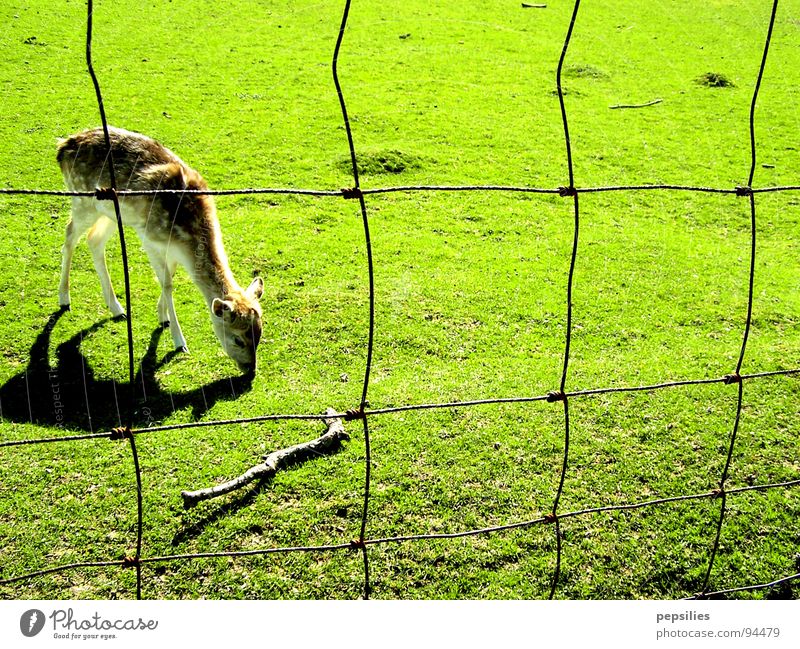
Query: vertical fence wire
point(125, 431)
point(736, 376)
point(356, 192)
point(561, 394)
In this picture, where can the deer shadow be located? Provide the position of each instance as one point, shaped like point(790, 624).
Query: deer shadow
point(69, 395)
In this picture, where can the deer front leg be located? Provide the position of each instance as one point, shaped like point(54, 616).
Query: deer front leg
point(167, 306)
point(100, 233)
point(67, 250)
point(80, 221)
point(167, 317)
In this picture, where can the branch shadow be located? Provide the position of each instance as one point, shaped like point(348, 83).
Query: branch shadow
point(69, 395)
point(240, 501)
point(248, 493)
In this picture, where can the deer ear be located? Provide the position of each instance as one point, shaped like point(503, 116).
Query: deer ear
point(217, 307)
point(256, 288)
point(169, 175)
point(223, 309)
point(174, 176)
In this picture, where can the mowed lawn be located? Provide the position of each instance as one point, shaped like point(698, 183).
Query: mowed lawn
point(470, 299)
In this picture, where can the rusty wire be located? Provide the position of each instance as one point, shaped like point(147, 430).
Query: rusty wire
point(749, 318)
point(112, 192)
point(710, 495)
point(364, 413)
point(399, 189)
point(373, 412)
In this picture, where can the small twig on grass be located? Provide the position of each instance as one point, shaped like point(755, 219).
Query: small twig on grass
point(327, 443)
point(526, 5)
point(649, 103)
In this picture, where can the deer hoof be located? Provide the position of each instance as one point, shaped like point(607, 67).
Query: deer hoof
point(164, 324)
point(120, 317)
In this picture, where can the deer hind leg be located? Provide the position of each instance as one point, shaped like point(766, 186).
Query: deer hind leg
point(165, 267)
point(99, 234)
point(82, 218)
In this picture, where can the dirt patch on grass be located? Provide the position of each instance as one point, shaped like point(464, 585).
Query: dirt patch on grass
point(714, 80)
point(382, 161)
point(584, 72)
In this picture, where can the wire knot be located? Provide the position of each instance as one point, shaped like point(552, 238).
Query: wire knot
point(718, 493)
point(130, 562)
point(357, 544)
point(121, 432)
point(567, 191)
point(741, 190)
point(351, 192)
point(556, 395)
point(550, 518)
point(105, 193)
point(354, 413)
point(735, 377)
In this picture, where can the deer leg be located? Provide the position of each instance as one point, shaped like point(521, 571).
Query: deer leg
point(99, 234)
point(80, 221)
point(166, 296)
point(167, 317)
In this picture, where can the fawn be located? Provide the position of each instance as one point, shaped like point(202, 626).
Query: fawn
point(174, 228)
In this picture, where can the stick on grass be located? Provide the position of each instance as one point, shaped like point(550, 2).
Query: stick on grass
point(326, 444)
point(649, 103)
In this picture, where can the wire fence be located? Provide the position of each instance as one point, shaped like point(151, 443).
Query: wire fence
point(364, 413)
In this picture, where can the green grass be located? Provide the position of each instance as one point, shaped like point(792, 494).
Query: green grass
point(470, 295)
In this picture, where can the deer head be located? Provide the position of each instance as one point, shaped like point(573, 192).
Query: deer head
point(236, 318)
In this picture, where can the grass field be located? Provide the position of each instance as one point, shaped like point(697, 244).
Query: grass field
point(470, 293)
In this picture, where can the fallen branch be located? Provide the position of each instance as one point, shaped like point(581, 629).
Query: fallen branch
point(649, 103)
point(327, 443)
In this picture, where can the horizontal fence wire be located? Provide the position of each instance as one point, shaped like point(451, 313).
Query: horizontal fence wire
point(364, 412)
point(350, 193)
point(352, 545)
point(391, 410)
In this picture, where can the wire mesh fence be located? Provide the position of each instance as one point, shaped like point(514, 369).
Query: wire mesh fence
point(364, 413)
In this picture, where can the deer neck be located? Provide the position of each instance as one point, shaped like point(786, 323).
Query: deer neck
point(209, 268)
